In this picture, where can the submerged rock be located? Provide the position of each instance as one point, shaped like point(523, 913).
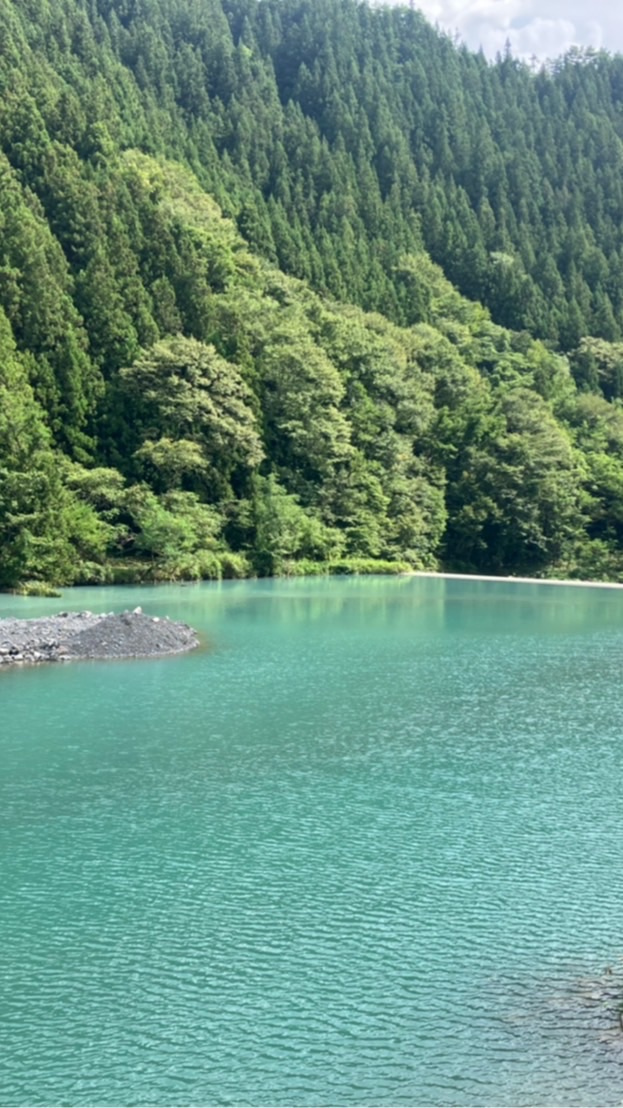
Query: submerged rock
point(74, 635)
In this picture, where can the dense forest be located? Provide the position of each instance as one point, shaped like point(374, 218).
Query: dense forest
point(291, 285)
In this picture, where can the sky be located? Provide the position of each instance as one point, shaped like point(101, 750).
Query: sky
point(536, 28)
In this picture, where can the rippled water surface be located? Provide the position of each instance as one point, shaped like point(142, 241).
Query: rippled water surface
point(365, 847)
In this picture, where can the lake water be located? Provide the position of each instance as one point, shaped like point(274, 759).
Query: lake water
point(365, 847)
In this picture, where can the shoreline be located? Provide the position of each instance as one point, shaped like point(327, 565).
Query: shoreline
point(396, 571)
point(516, 580)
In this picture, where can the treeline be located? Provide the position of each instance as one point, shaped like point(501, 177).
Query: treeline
point(262, 428)
point(173, 404)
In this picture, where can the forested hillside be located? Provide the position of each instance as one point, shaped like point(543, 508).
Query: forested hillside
point(229, 342)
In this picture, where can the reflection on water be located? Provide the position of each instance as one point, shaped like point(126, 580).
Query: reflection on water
point(364, 850)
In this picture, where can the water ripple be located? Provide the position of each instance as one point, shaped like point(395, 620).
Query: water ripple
point(367, 854)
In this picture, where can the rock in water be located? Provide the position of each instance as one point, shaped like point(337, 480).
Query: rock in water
point(84, 635)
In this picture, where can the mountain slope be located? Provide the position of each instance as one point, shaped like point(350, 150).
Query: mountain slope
point(341, 137)
point(175, 405)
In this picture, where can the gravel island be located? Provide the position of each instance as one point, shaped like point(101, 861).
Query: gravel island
point(69, 636)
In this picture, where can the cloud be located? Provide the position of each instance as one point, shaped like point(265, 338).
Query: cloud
point(535, 28)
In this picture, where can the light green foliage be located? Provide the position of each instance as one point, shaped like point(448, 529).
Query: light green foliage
point(597, 427)
point(598, 365)
point(177, 533)
point(197, 403)
point(516, 485)
point(301, 394)
point(281, 531)
point(170, 462)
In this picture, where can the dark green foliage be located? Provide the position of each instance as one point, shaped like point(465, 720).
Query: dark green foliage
point(41, 522)
point(228, 338)
point(341, 138)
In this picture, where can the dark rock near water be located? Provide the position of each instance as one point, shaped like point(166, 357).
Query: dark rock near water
point(72, 635)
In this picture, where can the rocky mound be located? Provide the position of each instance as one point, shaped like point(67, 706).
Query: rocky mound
point(72, 635)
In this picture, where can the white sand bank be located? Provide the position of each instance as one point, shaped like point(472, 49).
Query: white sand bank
point(519, 580)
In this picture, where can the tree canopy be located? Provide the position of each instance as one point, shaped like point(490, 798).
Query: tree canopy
point(289, 284)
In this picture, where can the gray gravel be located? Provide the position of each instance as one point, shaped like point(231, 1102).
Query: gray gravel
point(72, 635)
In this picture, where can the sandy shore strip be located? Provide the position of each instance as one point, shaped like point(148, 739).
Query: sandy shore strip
point(517, 580)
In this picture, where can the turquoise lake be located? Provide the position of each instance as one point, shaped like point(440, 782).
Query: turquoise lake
point(364, 847)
